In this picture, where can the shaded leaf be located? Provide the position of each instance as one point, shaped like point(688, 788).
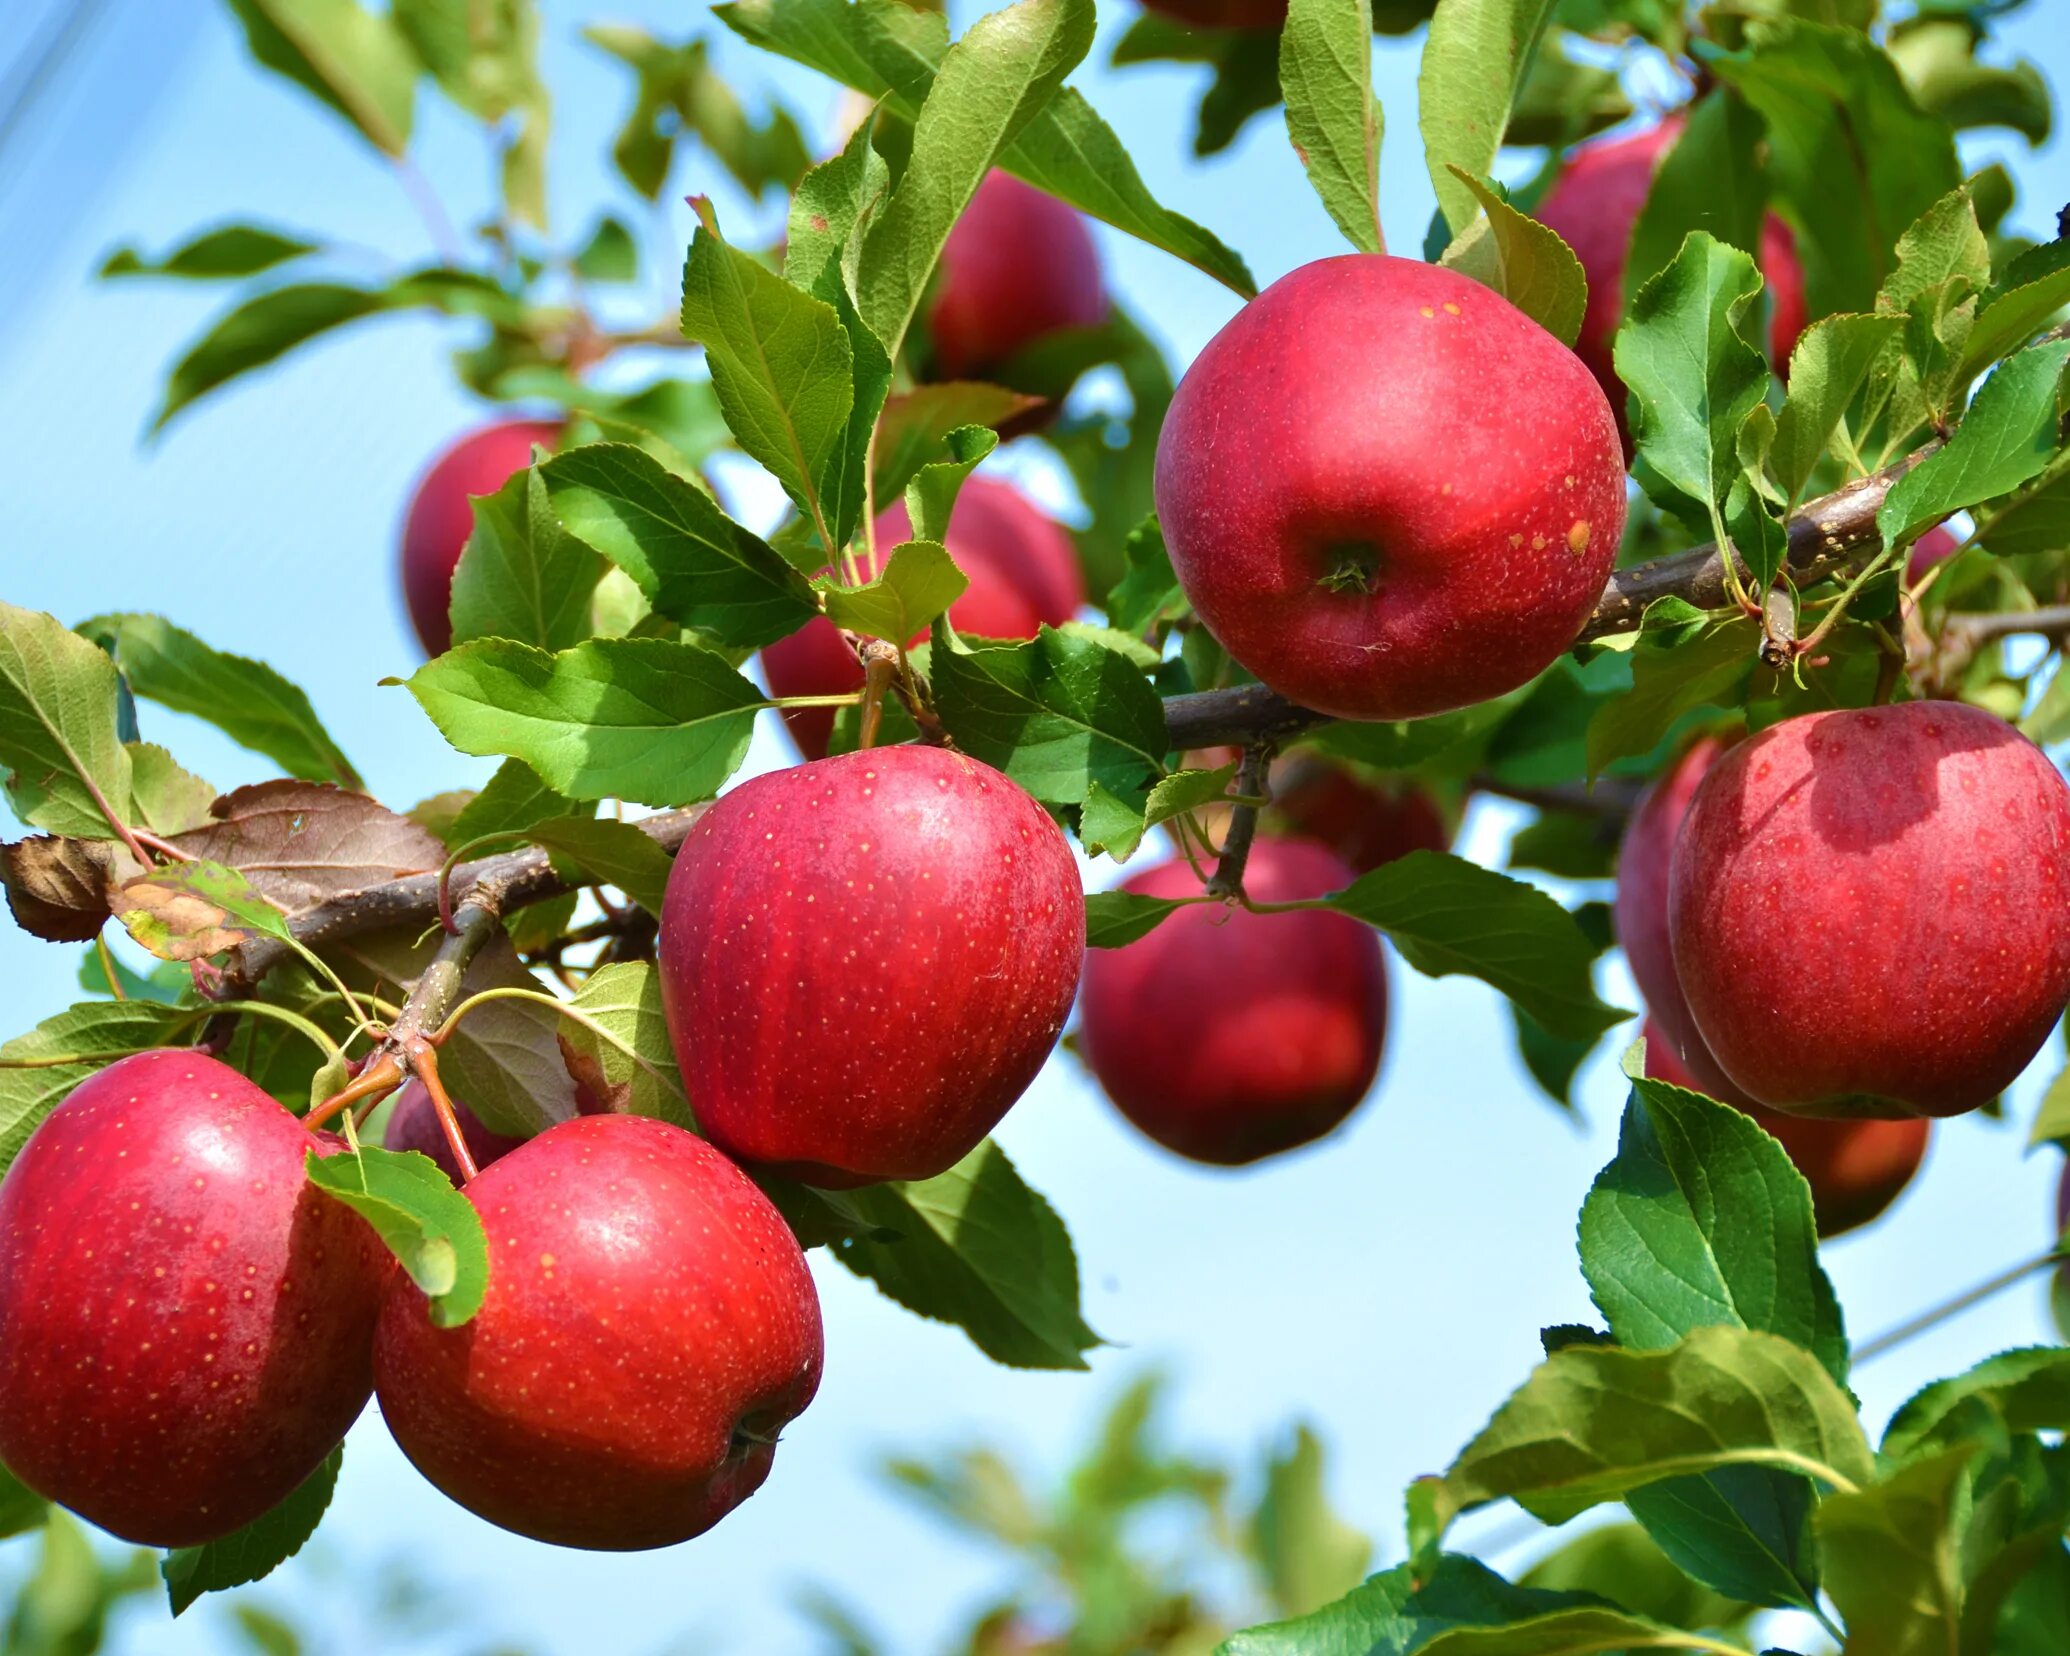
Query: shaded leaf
point(433, 1230)
point(253, 1552)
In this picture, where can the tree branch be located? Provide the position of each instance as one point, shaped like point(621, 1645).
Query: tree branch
point(1824, 536)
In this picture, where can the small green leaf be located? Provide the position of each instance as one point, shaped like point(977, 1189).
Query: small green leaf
point(1056, 714)
point(1743, 1531)
point(919, 582)
point(1594, 1423)
point(931, 495)
point(642, 719)
point(1446, 915)
point(1402, 1610)
point(1308, 1555)
point(59, 741)
point(1148, 591)
point(226, 253)
point(21, 1508)
point(1187, 790)
point(258, 331)
point(883, 47)
point(1831, 360)
point(829, 210)
point(522, 576)
point(693, 563)
point(431, 1228)
point(167, 799)
point(1523, 260)
point(245, 699)
point(1674, 670)
point(353, 59)
point(1115, 919)
point(610, 254)
point(1109, 825)
point(606, 849)
point(1692, 375)
point(1890, 1556)
point(1473, 67)
point(1335, 122)
point(2025, 1390)
point(259, 1548)
point(2009, 434)
point(621, 1055)
point(512, 799)
point(978, 1248)
point(38, 1069)
point(916, 425)
point(2030, 296)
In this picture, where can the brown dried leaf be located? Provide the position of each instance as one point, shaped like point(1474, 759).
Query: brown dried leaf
point(303, 843)
point(60, 889)
point(175, 924)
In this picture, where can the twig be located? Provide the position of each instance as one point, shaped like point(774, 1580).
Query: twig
point(1970, 632)
point(1252, 785)
point(1890, 1339)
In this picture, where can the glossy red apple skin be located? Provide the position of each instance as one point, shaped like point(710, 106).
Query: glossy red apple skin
point(186, 1325)
point(1856, 1169)
point(441, 517)
point(1870, 910)
point(1023, 573)
point(865, 960)
point(1018, 266)
point(1641, 912)
point(1367, 411)
point(1594, 206)
point(1228, 1036)
point(1934, 547)
point(650, 1324)
point(413, 1125)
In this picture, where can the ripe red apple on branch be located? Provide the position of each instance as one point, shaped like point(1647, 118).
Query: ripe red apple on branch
point(1387, 491)
point(865, 960)
point(1228, 1035)
point(1870, 910)
point(186, 1325)
point(441, 517)
point(650, 1326)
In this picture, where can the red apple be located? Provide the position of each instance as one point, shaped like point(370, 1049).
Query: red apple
point(650, 1326)
point(1018, 266)
point(1222, 14)
point(1387, 491)
point(1228, 1036)
point(864, 961)
point(1641, 912)
point(1934, 547)
point(1870, 910)
point(1594, 205)
point(441, 517)
point(413, 1125)
point(186, 1326)
point(1366, 822)
point(1856, 1169)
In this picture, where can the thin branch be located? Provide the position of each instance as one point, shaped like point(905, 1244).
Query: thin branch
point(1252, 785)
point(1970, 632)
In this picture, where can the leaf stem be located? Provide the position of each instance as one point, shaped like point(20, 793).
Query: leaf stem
point(424, 1063)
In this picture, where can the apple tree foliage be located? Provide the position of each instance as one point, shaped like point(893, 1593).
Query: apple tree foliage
point(606, 604)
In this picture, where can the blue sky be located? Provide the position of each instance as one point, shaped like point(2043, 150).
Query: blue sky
point(1387, 1286)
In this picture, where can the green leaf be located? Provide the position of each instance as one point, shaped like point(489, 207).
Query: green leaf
point(919, 582)
point(1335, 122)
point(987, 88)
point(353, 59)
point(782, 365)
point(1306, 1552)
point(522, 576)
point(431, 1228)
point(1391, 1615)
point(1936, 56)
point(259, 1548)
point(931, 495)
point(1149, 591)
point(2009, 434)
point(1743, 1531)
point(245, 699)
point(1673, 671)
point(633, 1072)
point(258, 331)
point(164, 984)
point(514, 798)
point(642, 719)
point(976, 1247)
point(1586, 1628)
point(1187, 790)
point(1594, 1422)
point(1056, 713)
point(606, 849)
point(1831, 360)
point(21, 1508)
point(677, 95)
point(1114, 919)
point(1702, 1219)
point(1851, 158)
point(1446, 915)
point(1523, 260)
point(38, 1069)
point(482, 52)
point(1891, 1559)
point(1473, 66)
point(164, 797)
point(916, 426)
point(831, 207)
point(1709, 180)
point(2030, 296)
point(1692, 376)
point(693, 563)
point(1620, 1562)
point(187, 910)
point(1110, 825)
point(883, 47)
point(2025, 1390)
point(230, 251)
point(610, 255)
point(67, 768)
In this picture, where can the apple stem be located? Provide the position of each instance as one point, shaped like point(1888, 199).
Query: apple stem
point(381, 1076)
point(880, 668)
point(424, 1062)
point(1252, 784)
